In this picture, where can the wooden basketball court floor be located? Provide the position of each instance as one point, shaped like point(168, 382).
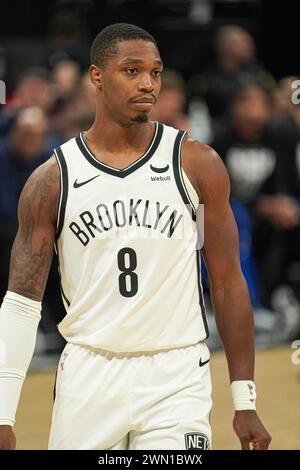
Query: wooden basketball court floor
point(278, 389)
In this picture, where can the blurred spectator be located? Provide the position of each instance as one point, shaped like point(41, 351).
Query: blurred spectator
point(33, 89)
point(66, 77)
point(85, 98)
point(257, 179)
point(244, 145)
point(262, 163)
point(66, 28)
point(76, 113)
point(200, 121)
point(278, 231)
point(235, 64)
point(71, 119)
point(68, 38)
point(20, 153)
point(170, 106)
point(282, 102)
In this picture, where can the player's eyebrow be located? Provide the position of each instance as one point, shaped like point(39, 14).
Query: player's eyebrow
point(132, 60)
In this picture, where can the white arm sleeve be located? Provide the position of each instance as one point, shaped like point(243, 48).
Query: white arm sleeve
point(19, 319)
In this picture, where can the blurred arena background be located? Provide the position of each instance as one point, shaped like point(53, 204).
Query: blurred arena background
point(230, 82)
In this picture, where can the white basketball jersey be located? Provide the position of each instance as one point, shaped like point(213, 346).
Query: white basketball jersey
point(127, 249)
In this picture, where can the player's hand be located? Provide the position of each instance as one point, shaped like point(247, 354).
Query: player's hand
point(7, 438)
point(250, 431)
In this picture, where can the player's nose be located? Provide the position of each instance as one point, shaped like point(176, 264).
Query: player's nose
point(145, 83)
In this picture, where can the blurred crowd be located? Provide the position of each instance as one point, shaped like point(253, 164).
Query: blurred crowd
point(234, 105)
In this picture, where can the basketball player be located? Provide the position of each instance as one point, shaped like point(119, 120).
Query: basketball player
point(119, 204)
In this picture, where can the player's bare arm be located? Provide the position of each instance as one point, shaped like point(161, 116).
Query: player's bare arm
point(33, 247)
point(229, 292)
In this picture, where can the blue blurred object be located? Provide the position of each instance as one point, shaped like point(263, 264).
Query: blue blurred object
point(244, 225)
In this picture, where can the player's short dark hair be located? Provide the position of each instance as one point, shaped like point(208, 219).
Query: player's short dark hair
point(105, 43)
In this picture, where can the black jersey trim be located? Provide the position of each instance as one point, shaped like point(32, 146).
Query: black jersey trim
point(54, 386)
point(64, 188)
point(64, 297)
point(201, 298)
point(178, 174)
point(133, 166)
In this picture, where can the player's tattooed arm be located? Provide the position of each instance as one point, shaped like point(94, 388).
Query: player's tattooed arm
point(32, 250)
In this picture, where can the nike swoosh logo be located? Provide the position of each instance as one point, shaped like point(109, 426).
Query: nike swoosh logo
point(159, 170)
point(201, 364)
point(78, 185)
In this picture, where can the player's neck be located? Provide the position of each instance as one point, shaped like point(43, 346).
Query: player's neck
point(116, 138)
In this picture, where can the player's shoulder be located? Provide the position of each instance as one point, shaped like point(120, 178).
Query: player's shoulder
point(43, 188)
point(202, 158)
point(201, 152)
point(206, 165)
point(46, 173)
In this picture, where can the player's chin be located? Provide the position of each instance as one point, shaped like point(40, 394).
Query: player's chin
point(141, 117)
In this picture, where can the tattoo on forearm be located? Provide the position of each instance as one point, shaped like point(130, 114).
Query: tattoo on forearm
point(32, 252)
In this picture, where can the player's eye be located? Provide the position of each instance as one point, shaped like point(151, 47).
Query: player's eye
point(131, 70)
point(157, 73)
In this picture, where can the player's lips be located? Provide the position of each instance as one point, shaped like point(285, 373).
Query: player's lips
point(145, 105)
point(144, 101)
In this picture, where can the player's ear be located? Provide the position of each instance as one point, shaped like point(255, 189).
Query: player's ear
point(96, 76)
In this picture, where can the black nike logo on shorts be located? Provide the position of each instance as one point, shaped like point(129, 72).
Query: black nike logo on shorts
point(78, 185)
point(201, 364)
point(159, 170)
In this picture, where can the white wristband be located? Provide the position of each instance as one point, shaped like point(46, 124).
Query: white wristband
point(243, 395)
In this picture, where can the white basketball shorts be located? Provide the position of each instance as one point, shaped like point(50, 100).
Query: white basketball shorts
point(149, 401)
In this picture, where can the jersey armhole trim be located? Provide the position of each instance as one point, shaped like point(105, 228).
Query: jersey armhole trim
point(179, 176)
point(63, 190)
point(63, 295)
point(201, 297)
